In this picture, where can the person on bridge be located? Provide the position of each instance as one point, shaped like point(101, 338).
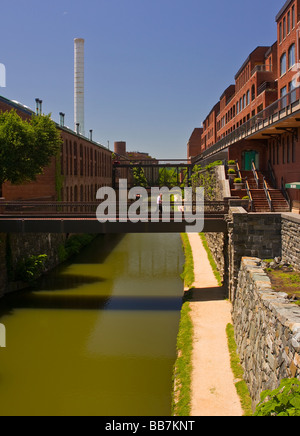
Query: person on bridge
point(159, 203)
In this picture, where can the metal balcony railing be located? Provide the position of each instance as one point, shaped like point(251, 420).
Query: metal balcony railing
point(253, 125)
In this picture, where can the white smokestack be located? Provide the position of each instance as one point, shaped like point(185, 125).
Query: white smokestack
point(79, 84)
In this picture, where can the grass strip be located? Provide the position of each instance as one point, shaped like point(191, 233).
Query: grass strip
point(211, 259)
point(238, 372)
point(188, 275)
point(182, 374)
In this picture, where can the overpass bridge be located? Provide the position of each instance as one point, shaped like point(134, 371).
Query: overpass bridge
point(80, 217)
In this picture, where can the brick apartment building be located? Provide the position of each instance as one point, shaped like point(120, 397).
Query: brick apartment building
point(258, 117)
point(81, 169)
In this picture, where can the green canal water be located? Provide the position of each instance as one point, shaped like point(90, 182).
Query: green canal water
point(97, 336)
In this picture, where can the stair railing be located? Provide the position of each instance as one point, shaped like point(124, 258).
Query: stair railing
point(238, 170)
point(285, 194)
point(249, 194)
point(268, 195)
point(255, 174)
point(272, 175)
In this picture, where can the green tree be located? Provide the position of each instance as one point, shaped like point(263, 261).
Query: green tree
point(139, 177)
point(26, 146)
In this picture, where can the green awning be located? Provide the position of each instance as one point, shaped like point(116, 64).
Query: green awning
point(295, 185)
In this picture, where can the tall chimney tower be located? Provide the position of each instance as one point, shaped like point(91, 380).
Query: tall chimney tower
point(79, 85)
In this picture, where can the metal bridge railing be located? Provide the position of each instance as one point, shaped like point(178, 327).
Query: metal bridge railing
point(89, 209)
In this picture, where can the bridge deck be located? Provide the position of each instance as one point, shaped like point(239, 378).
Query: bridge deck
point(92, 225)
point(66, 217)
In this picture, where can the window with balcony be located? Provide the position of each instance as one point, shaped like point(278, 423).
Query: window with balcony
point(283, 64)
point(292, 56)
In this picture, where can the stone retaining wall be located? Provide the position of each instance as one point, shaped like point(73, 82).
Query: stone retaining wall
point(17, 247)
point(291, 239)
point(267, 330)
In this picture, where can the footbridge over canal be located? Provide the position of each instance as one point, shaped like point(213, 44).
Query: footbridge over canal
point(80, 217)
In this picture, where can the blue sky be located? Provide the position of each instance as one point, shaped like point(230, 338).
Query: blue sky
point(153, 68)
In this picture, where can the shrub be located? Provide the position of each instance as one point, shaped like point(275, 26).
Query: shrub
point(246, 198)
point(284, 401)
point(231, 171)
point(31, 268)
point(231, 162)
point(238, 180)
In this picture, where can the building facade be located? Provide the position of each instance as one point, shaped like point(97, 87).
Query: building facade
point(81, 169)
point(258, 117)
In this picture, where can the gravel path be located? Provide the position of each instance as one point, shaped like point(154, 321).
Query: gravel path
point(213, 390)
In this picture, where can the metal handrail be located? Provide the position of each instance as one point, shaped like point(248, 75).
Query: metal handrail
point(238, 169)
point(249, 194)
point(267, 192)
point(255, 174)
point(285, 194)
point(272, 174)
point(254, 123)
point(88, 209)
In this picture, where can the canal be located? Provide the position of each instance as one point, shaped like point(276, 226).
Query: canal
point(97, 336)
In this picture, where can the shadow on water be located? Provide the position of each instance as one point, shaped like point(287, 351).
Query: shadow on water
point(98, 250)
point(56, 281)
point(94, 302)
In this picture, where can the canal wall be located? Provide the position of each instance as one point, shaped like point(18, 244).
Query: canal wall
point(16, 249)
point(267, 330)
point(261, 235)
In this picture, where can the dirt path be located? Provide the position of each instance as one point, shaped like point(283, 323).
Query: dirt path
point(213, 390)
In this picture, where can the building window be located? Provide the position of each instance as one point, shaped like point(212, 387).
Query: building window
point(288, 150)
point(244, 100)
point(284, 28)
point(288, 22)
point(293, 17)
point(283, 64)
point(293, 149)
point(253, 92)
point(292, 57)
point(237, 108)
point(283, 151)
point(248, 97)
point(280, 32)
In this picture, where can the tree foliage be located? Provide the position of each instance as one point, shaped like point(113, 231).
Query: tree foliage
point(139, 177)
point(26, 146)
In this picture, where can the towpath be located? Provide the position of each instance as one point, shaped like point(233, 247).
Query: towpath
point(213, 390)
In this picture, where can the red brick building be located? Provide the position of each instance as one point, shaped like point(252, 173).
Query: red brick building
point(81, 169)
point(258, 118)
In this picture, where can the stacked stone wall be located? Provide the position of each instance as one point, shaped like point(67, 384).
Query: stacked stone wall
point(291, 239)
point(267, 330)
point(15, 248)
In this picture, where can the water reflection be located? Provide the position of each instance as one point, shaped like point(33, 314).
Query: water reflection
point(98, 335)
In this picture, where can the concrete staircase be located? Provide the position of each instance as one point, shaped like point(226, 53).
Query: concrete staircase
point(260, 201)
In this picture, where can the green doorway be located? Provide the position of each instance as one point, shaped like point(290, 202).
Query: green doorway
point(249, 157)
